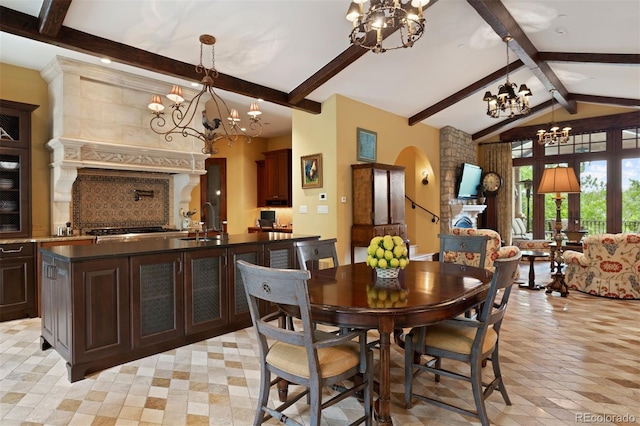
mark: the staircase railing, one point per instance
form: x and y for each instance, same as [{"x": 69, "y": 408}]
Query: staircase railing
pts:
[{"x": 434, "y": 217}]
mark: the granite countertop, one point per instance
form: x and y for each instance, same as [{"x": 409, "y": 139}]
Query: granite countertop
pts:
[
  {"x": 119, "y": 249},
  {"x": 46, "y": 239}
]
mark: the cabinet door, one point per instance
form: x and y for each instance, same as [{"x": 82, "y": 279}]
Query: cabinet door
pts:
[
  {"x": 396, "y": 196},
  {"x": 57, "y": 311},
  {"x": 101, "y": 289},
  {"x": 238, "y": 304},
  {"x": 380, "y": 197},
  {"x": 15, "y": 188},
  {"x": 205, "y": 273},
  {"x": 157, "y": 303},
  {"x": 17, "y": 284},
  {"x": 15, "y": 170},
  {"x": 47, "y": 306},
  {"x": 261, "y": 184},
  {"x": 278, "y": 177}
]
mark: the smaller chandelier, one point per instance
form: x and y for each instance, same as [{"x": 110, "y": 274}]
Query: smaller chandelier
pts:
[
  {"x": 386, "y": 16},
  {"x": 214, "y": 110},
  {"x": 553, "y": 135},
  {"x": 507, "y": 102}
]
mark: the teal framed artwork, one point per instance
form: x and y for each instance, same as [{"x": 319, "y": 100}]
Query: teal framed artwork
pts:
[{"x": 367, "y": 141}]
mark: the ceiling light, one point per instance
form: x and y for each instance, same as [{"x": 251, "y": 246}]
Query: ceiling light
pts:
[
  {"x": 383, "y": 18},
  {"x": 553, "y": 135},
  {"x": 105, "y": 60},
  {"x": 508, "y": 102},
  {"x": 216, "y": 119}
]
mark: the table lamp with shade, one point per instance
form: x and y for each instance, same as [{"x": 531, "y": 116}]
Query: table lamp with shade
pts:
[{"x": 558, "y": 180}]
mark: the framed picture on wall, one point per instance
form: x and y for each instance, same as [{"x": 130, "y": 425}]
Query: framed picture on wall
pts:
[
  {"x": 311, "y": 168},
  {"x": 366, "y": 140}
]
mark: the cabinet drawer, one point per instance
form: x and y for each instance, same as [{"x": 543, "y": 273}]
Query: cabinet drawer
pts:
[{"x": 16, "y": 250}]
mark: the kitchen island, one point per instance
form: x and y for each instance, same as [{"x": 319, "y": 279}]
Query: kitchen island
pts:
[{"x": 110, "y": 303}]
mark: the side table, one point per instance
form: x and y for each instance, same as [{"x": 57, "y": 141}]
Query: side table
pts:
[{"x": 532, "y": 256}]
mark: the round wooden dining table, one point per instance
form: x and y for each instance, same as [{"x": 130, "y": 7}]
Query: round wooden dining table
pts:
[{"x": 425, "y": 292}]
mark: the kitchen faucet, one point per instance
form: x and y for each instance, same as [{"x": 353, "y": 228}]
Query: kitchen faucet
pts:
[{"x": 210, "y": 223}]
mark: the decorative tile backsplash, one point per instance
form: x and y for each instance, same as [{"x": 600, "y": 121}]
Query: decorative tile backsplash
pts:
[{"x": 107, "y": 198}]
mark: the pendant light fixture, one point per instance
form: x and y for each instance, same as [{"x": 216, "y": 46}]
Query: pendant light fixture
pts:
[
  {"x": 553, "y": 135},
  {"x": 507, "y": 102},
  {"x": 216, "y": 119}
]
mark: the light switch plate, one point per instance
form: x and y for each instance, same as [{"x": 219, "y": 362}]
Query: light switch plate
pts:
[
  {"x": 343, "y": 200},
  {"x": 322, "y": 196},
  {"x": 323, "y": 209},
  {"x": 302, "y": 209}
]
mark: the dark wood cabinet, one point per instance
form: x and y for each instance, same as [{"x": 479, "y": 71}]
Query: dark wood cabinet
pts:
[
  {"x": 17, "y": 281},
  {"x": 85, "y": 311},
  {"x": 15, "y": 169},
  {"x": 157, "y": 298},
  {"x": 378, "y": 203},
  {"x": 109, "y": 309},
  {"x": 205, "y": 275},
  {"x": 274, "y": 179}
]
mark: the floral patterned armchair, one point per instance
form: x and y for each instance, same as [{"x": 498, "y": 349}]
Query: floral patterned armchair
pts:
[
  {"x": 494, "y": 249},
  {"x": 609, "y": 266}
]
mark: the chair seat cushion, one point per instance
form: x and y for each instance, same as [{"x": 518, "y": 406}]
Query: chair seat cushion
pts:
[
  {"x": 333, "y": 360},
  {"x": 454, "y": 339}
]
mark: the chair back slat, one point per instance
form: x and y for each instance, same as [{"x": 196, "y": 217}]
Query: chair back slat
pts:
[
  {"x": 472, "y": 246},
  {"x": 311, "y": 252},
  {"x": 495, "y": 305}
]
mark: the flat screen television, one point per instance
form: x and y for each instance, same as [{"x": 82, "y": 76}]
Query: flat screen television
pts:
[{"x": 469, "y": 181}]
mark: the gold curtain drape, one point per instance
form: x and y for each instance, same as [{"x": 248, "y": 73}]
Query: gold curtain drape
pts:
[{"x": 496, "y": 157}]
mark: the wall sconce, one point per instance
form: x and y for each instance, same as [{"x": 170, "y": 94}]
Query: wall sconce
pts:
[{"x": 425, "y": 178}]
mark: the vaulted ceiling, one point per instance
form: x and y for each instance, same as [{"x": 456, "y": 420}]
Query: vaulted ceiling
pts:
[{"x": 296, "y": 54}]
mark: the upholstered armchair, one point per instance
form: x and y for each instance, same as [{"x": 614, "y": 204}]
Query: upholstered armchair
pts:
[
  {"x": 609, "y": 266},
  {"x": 494, "y": 249}
]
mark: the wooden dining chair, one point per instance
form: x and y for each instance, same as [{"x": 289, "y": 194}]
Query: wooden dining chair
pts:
[
  {"x": 312, "y": 253},
  {"x": 470, "y": 340},
  {"x": 468, "y": 250},
  {"x": 307, "y": 357}
]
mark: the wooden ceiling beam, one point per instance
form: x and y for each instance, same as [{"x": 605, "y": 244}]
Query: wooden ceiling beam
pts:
[
  {"x": 501, "y": 21},
  {"x": 52, "y": 14},
  {"x": 340, "y": 62},
  {"x": 594, "y": 58},
  {"x": 628, "y": 102},
  {"x": 464, "y": 93},
  {"x": 27, "y": 26},
  {"x": 626, "y": 119}
]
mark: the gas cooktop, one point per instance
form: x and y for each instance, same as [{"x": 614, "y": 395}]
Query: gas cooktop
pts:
[{"x": 133, "y": 230}]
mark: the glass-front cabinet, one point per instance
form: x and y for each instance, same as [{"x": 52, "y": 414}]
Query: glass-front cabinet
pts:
[{"x": 15, "y": 169}]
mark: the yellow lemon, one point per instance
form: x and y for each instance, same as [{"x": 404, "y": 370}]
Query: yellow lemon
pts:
[
  {"x": 380, "y": 253},
  {"x": 387, "y": 243},
  {"x": 394, "y": 263},
  {"x": 375, "y": 241},
  {"x": 398, "y": 251},
  {"x": 382, "y": 263},
  {"x": 388, "y": 254},
  {"x": 398, "y": 241},
  {"x": 373, "y": 262},
  {"x": 402, "y": 263}
]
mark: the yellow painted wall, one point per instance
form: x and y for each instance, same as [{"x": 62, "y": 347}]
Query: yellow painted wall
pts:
[
  {"x": 333, "y": 133},
  {"x": 24, "y": 85}
]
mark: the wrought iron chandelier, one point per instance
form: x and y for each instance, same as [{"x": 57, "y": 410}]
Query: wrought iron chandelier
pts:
[
  {"x": 553, "y": 135},
  {"x": 218, "y": 121},
  {"x": 507, "y": 102},
  {"x": 383, "y": 18}
]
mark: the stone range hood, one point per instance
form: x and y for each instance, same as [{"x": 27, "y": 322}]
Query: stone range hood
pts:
[{"x": 101, "y": 121}]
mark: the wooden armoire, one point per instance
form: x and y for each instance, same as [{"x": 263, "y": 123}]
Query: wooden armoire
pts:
[{"x": 378, "y": 203}]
